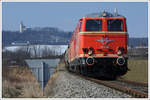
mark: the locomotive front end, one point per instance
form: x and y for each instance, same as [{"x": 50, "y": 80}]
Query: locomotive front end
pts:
[
  {"x": 98, "y": 46},
  {"x": 103, "y": 44}
]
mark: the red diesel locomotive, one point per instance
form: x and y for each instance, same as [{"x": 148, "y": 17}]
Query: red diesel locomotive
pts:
[{"x": 99, "y": 46}]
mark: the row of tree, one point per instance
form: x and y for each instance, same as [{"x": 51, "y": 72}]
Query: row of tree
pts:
[{"x": 18, "y": 57}]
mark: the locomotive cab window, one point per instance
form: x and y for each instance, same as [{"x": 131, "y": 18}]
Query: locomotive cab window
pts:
[
  {"x": 93, "y": 25},
  {"x": 115, "y": 25}
]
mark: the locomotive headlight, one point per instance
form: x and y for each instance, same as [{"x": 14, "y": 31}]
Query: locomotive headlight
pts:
[
  {"x": 90, "y": 51},
  {"x": 119, "y": 52}
]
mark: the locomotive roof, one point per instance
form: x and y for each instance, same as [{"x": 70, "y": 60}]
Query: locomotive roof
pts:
[{"x": 104, "y": 14}]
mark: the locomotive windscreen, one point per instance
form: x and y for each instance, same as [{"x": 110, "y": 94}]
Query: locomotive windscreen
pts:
[
  {"x": 115, "y": 25},
  {"x": 94, "y": 25}
]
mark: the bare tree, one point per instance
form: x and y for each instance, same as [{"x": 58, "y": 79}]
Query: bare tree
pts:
[
  {"x": 45, "y": 52},
  {"x": 26, "y": 50},
  {"x": 36, "y": 50},
  {"x": 17, "y": 57}
]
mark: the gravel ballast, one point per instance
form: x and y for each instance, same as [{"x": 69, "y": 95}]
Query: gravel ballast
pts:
[{"x": 70, "y": 86}]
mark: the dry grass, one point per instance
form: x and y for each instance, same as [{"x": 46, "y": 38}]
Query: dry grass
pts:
[
  {"x": 138, "y": 70},
  {"x": 50, "y": 85},
  {"x": 31, "y": 90},
  {"x": 52, "y": 82},
  {"x": 61, "y": 67},
  {"x": 20, "y": 82}
]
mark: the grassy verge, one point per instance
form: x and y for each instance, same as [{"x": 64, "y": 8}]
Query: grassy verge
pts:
[
  {"x": 19, "y": 82},
  {"x": 52, "y": 82},
  {"x": 48, "y": 92},
  {"x": 138, "y": 70}
]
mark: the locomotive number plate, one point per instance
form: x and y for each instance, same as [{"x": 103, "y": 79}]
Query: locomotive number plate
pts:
[{"x": 104, "y": 47}]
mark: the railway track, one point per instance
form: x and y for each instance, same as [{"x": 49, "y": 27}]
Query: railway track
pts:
[
  {"x": 136, "y": 89},
  {"x": 133, "y": 84}
]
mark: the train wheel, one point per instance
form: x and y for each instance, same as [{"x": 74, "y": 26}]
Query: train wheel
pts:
[
  {"x": 79, "y": 70},
  {"x": 75, "y": 69},
  {"x": 85, "y": 71},
  {"x": 69, "y": 68},
  {"x": 81, "y": 67},
  {"x": 121, "y": 70}
]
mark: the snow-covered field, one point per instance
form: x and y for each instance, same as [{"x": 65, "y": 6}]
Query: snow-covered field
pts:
[{"x": 60, "y": 49}]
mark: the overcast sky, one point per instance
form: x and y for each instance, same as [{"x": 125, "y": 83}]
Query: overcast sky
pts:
[{"x": 66, "y": 15}]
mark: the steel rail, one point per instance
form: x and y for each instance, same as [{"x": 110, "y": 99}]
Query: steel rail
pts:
[
  {"x": 134, "y": 93},
  {"x": 133, "y": 82},
  {"x": 130, "y": 91}
]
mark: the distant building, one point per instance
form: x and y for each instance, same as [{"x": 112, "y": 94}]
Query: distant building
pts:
[
  {"x": 20, "y": 43},
  {"x": 22, "y": 27}
]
